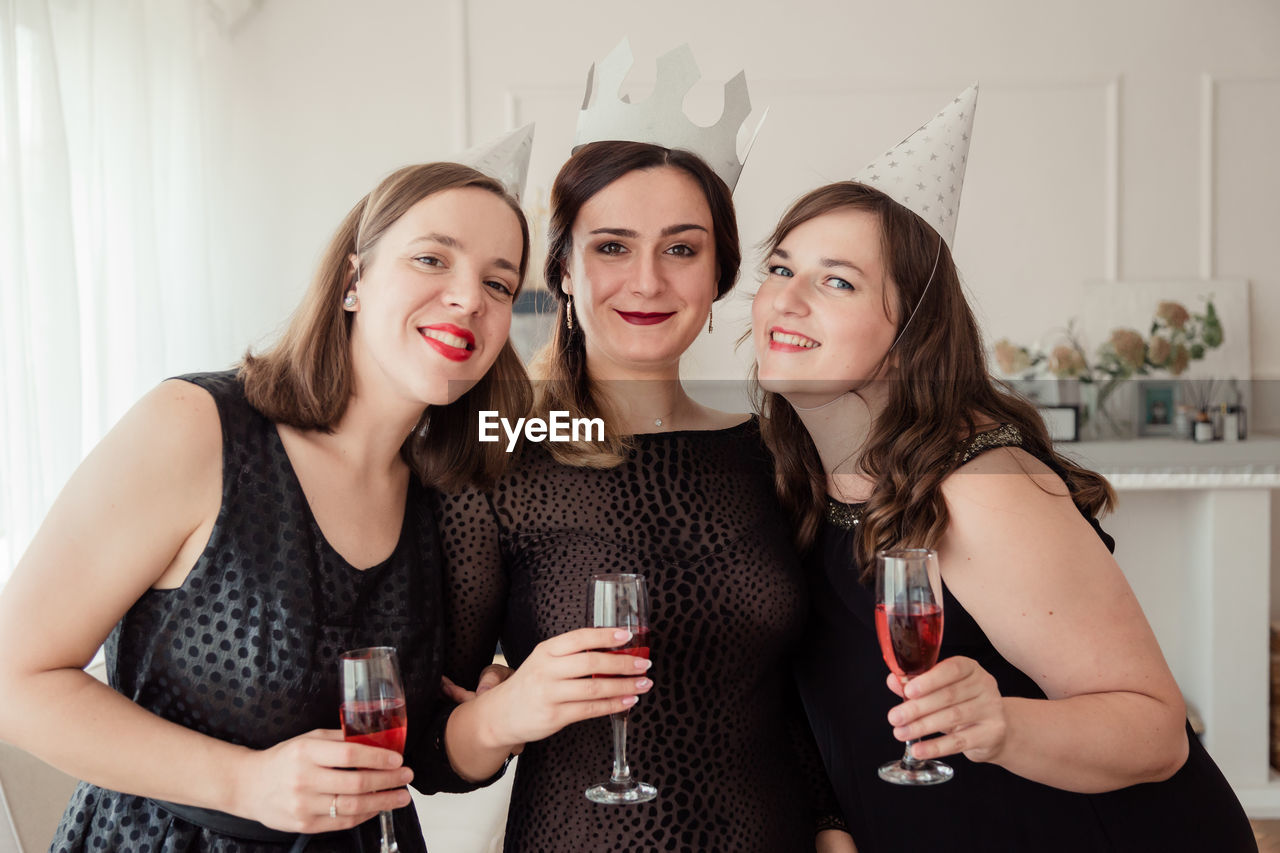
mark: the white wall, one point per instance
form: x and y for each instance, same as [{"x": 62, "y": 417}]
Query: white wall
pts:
[{"x": 1114, "y": 140}]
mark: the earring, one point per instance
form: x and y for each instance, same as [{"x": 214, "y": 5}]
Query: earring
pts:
[
  {"x": 350, "y": 301},
  {"x": 568, "y": 313},
  {"x": 710, "y": 318}
]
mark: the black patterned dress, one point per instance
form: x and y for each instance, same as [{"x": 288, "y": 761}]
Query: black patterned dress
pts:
[
  {"x": 246, "y": 649},
  {"x": 721, "y": 734}
]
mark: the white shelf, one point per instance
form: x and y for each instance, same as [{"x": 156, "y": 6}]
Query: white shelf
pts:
[{"x": 1167, "y": 463}]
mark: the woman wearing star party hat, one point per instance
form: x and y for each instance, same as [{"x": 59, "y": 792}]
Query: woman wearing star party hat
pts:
[
  {"x": 643, "y": 239},
  {"x": 1051, "y": 699},
  {"x": 237, "y": 531}
]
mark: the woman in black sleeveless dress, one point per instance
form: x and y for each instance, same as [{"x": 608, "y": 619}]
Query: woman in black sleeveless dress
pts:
[
  {"x": 236, "y": 532},
  {"x": 1051, "y": 697},
  {"x": 643, "y": 239}
]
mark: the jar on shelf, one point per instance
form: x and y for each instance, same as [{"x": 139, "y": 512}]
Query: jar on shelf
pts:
[{"x": 1203, "y": 428}]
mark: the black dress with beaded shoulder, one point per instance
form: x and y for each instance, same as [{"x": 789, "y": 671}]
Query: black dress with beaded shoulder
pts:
[
  {"x": 721, "y": 733},
  {"x": 246, "y": 649},
  {"x": 984, "y": 807}
]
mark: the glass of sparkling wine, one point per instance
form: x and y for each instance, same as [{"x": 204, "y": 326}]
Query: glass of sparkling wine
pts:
[
  {"x": 909, "y": 627},
  {"x": 621, "y": 601},
  {"x": 373, "y": 710}
]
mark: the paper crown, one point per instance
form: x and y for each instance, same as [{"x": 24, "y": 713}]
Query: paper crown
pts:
[
  {"x": 505, "y": 159},
  {"x": 925, "y": 171},
  {"x": 660, "y": 119}
]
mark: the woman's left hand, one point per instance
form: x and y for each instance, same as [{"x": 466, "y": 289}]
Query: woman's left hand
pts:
[
  {"x": 491, "y": 676},
  {"x": 958, "y": 698}
]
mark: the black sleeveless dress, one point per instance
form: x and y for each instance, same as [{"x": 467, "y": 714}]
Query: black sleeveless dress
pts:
[
  {"x": 984, "y": 807},
  {"x": 721, "y": 734},
  {"x": 246, "y": 649}
]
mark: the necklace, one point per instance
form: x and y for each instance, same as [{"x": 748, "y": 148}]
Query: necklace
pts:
[{"x": 664, "y": 420}]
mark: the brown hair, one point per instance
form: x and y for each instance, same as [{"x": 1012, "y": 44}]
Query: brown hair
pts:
[
  {"x": 562, "y": 363},
  {"x": 912, "y": 445},
  {"x": 306, "y": 379}
]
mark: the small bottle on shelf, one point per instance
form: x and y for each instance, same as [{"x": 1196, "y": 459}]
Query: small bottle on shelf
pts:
[
  {"x": 1182, "y": 422},
  {"x": 1242, "y": 421},
  {"x": 1231, "y": 424}
]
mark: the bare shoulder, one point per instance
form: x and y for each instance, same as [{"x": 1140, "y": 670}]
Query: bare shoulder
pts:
[
  {"x": 184, "y": 406},
  {"x": 175, "y": 424},
  {"x": 1007, "y": 500},
  {"x": 1005, "y": 474},
  {"x": 167, "y": 448}
]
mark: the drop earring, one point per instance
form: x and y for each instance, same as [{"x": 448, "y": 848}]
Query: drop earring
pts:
[
  {"x": 710, "y": 318},
  {"x": 568, "y": 313},
  {"x": 350, "y": 301}
]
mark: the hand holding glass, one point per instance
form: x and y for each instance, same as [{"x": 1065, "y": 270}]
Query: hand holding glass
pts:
[
  {"x": 621, "y": 601},
  {"x": 373, "y": 710},
  {"x": 909, "y": 627}
]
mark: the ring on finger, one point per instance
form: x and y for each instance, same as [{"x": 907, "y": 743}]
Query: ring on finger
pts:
[{"x": 333, "y": 806}]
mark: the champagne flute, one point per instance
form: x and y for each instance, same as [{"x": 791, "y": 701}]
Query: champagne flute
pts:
[
  {"x": 909, "y": 626},
  {"x": 373, "y": 710},
  {"x": 621, "y": 601}
]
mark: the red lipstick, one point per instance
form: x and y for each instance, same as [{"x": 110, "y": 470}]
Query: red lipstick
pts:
[
  {"x": 448, "y": 349},
  {"x": 645, "y": 318}
]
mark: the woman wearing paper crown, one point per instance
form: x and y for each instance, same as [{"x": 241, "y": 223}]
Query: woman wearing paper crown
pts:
[
  {"x": 643, "y": 239},
  {"x": 237, "y": 531},
  {"x": 1051, "y": 698}
]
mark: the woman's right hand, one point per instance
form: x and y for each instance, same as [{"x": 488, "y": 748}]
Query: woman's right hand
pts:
[
  {"x": 554, "y": 686},
  {"x": 292, "y": 785}
]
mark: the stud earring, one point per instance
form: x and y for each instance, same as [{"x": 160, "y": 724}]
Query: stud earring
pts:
[
  {"x": 568, "y": 313},
  {"x": 710, "y": 318},
  {"x": 350, "y": 301}
]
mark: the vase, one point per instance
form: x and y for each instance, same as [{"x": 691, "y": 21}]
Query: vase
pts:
[{"x": 1102, "y": 413}]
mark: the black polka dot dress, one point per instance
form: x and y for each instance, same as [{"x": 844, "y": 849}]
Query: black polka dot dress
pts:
[
  {"x": 721, "y": 733},
  {"x": 246, "y": 649}
]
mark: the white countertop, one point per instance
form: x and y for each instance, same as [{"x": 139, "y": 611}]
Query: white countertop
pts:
[{"x": 1169, "y": 463}]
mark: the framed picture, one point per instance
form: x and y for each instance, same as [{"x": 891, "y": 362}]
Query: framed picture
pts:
[
  {"x": 1063, "y": 422},
  {"x": 1156, "y": 402}
]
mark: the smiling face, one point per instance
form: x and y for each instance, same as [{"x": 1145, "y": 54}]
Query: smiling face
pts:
[
  {"x": 435, "y": 296},
  {"x": 819, "y": 321},
  {"x": 642, "y": 271}
]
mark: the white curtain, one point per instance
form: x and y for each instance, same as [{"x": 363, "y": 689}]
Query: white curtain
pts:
[{"x": 106, "y": 110}]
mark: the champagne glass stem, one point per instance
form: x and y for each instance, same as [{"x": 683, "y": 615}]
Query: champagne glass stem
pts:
[
  {"x": 907, "y": 760},
  {"x": 388, "y": 834},
  {"x": 621, "y": 772}
]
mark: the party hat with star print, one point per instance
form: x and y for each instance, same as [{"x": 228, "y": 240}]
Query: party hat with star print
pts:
[
  {"x": 505, "y": 159},
  {"x": 925, "y": 171}
]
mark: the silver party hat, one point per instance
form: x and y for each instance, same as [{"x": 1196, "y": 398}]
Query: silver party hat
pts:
[{"x": 925, "y": 172}]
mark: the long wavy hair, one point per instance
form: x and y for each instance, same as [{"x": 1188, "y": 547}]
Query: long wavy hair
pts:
[
  {"x": 561, "y": 366},
  {"x": 306, "y": 379},
  {"x": 939, "y": 391}
]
